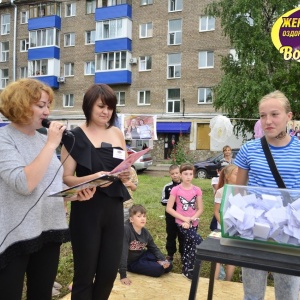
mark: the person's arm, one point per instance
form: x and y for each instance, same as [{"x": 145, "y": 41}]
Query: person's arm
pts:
[
  {"x": 200, "y": 208},
  {"x": 151, "y": 246},
  {"x": 133, "y": 180},
  {"x": 217, "y": 212},
  {"x": 70, "y": 164},
  {"x": 174, "y": 213},
  {"x": 165, "y": 195},
  {"x": 242, "y": 176},
  {"x": 217, "y": 204},
  {"x": 36, "y": 170},
  {"x": 124, "y": 257}
]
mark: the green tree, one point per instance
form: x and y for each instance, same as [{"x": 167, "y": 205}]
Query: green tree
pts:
[{"x": 259, "y": 67}]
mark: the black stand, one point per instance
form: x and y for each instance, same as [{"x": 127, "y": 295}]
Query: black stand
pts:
[{"x": 211, "y": 250}]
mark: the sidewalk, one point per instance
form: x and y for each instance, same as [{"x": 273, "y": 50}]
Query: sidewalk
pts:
[
  {"x": 159, "y": 167},
  {"x": 158, "y": 170}
]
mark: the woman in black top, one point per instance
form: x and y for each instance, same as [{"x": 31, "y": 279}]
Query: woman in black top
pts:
[{"x": 96, "y": 225}]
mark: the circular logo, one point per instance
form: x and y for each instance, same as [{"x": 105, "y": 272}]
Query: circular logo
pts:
[{"x": 286, "y": 34}]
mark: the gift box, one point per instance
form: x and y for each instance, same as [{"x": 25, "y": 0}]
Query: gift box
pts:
[{"x": 259, "y": 214}]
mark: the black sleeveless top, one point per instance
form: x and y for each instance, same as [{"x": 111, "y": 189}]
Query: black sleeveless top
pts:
[{"x": 91, "y": 160}]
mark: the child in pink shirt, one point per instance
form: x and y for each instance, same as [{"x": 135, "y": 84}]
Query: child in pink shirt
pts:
[{"x": 189, "y": 207}]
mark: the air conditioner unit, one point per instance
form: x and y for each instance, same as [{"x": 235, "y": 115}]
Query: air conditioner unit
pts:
[
  {"x": 133, "y": 60},
  {"x": 61, "y": 79}
]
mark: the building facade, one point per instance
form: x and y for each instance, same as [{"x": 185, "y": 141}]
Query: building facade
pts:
[{"x": 161, "y": 58}]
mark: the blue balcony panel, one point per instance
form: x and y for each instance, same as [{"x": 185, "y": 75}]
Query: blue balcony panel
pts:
[
  {"x": 43, "y": 53},
  {"x": 49, "y": 80},
  {"x": 113, "y": 12},
  {"x": 113, "y": 77},
  {"x": 44, "y": 22},
  {"x": 113, "y": 45}
]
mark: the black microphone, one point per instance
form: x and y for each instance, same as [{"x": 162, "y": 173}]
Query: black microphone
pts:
[{"x": 46, "y": 123}]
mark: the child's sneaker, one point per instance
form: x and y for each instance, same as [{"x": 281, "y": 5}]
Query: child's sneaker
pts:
[{"x": 188, "y": 275}]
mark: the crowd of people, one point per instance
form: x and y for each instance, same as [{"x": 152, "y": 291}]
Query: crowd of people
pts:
[{"x": 107, "y": 229}]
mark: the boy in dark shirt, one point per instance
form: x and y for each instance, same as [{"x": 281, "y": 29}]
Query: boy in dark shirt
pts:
[
  {"x": 171, "y": 227},
  {"x": 140, "y": 254}
]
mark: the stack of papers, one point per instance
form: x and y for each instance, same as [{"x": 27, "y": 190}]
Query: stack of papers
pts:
[{"x": 262, "y": 217}]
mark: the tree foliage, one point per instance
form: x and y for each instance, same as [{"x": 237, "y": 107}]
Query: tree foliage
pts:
[{"x": 260, "y": 68}]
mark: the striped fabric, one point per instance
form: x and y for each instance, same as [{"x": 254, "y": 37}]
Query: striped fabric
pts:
[{"x": 251, "y": 157}]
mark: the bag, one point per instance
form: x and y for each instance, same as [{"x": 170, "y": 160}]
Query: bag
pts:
[{"x": 213, "y": 224}]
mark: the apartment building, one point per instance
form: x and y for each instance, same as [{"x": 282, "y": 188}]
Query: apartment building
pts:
[{"x": 161, "y": 57}]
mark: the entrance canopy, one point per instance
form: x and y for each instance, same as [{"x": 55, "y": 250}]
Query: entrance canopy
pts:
[{"x": 173, "y": 127}]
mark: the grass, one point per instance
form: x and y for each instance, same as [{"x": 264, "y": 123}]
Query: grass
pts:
[{"x": 148, "y": 194}]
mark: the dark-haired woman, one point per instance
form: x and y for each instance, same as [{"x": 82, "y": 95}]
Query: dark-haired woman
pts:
[{"x": 96, "y": 227}]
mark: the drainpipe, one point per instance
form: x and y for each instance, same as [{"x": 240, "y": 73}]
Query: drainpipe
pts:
[{"x": 15, "y": 40}]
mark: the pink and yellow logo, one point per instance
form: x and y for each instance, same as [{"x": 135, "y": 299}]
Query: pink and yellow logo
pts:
[{"x": 286, "y": 34}]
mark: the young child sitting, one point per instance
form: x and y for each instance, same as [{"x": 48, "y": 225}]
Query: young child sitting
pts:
[{"x": 140, "y": 254}]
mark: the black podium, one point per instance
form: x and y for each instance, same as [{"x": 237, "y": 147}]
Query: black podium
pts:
[{"x": 211, "y": 250}]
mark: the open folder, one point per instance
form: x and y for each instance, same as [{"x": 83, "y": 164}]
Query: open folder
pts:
[{"x": 103, "y": 179}]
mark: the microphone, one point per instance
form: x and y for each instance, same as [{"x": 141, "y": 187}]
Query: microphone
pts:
[{"x": 46, "y": 123}]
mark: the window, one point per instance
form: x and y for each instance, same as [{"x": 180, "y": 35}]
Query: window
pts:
[
  {"x": 146, "y": 2},
  {"x": 111, "y": 61},
  {"x": 90, "y": 37},
  {"x": 144, "y": 97},
  {"x": 175, "y": 5},
  {"x": 38, "y": 67},
  {"x": 5, "y": 24},
  {"x": 69, "y": 39},
  {"x": 204, "y": 96},
  {"x": 111, "y": 29},
  {"x": 44, "y": 37},
  {"x": 4, "y": 78},
  {"x": 115, "y": 2},
  {"x": 90, "y": 6},
  {"x": 68, "y": 100},
  {"x": 206, "y": 59},
  {"x": 105, "y": 3},
  {"x": 69, "y": 69},
  {"x": 146, "y": 30},
  {"x": 4, "y": 48},
  {"x": 24, "y": 45},
  {"x": 173, "y": 100},
  {"x": 207, "y": 23},
  {"x": 175, "y": 32},
  {"x": 145, "y": 63},
  {"x": 120, "y": 98},
  {"x": 89, "y": 68},
  {"x": 24, "y": 17},
  {"x": 70, "y": 9},
  {"x": 23, "y": 72},
  {"x": 44, "y": 9},
  {"x": 174, "y": 65}
]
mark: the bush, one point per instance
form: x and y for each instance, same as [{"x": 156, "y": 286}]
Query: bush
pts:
[{"x": 181, "y": 154}]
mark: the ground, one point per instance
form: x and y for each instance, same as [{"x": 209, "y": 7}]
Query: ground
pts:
[{"x": 175, "y": 287}]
